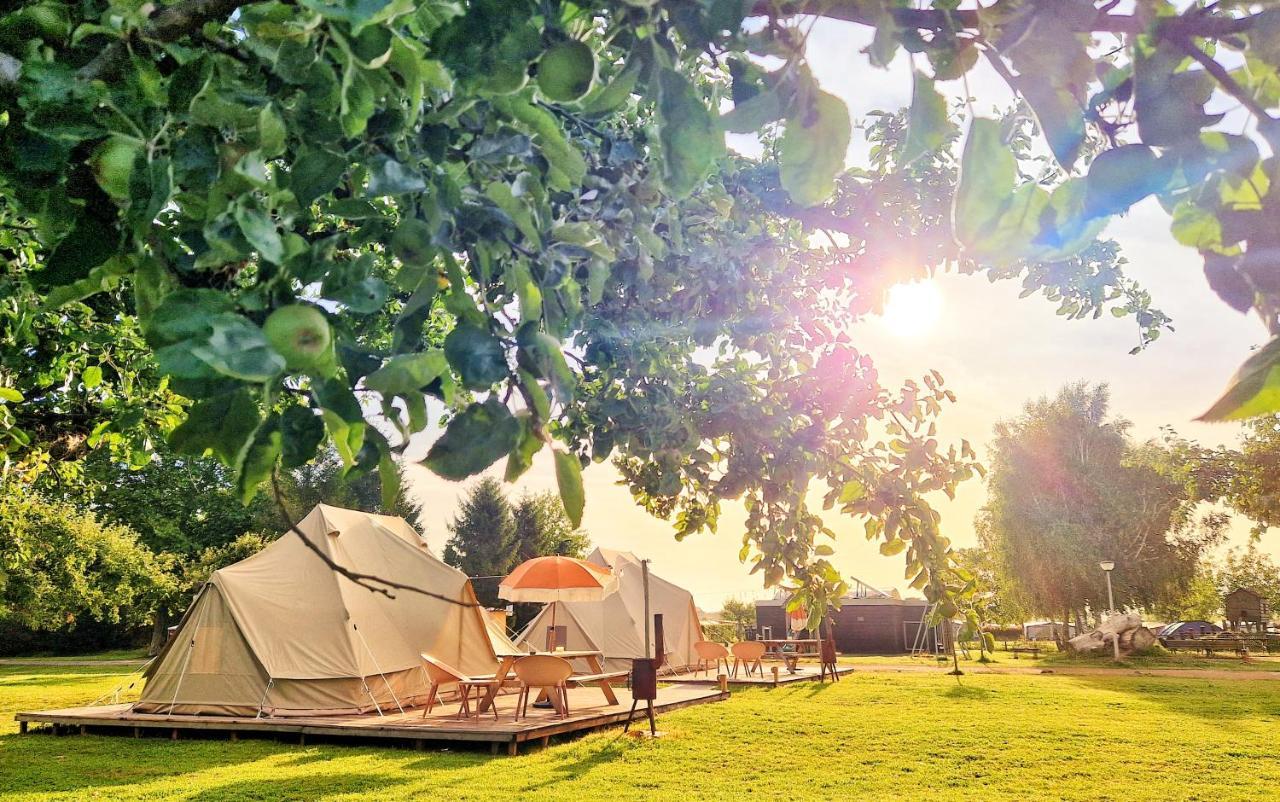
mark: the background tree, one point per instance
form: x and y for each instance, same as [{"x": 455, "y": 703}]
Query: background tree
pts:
[
  {"x": 60, "y": 565},
  {"x": 1250, "y": 568},
  {"x": 482, "y": 538},
  {"x": 325, "y": 481},
  {"x": 1200, "y": 601},
  {"x": 543, "y": 529},
  {"x": 179, "y": 507},
  {"x": 1067, "y": 489},
  {"x": 1252, "y": 486},
  {"x": 997, "y": 599},
  {"x": 741, "y": 614}
]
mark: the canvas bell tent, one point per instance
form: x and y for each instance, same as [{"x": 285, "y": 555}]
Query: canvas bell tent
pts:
[
  {"x": 281, "y": 633},
  {"x": 614, "y": 625}
]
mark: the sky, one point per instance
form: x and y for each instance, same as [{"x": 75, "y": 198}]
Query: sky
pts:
[{"x": 995, "y": 351}]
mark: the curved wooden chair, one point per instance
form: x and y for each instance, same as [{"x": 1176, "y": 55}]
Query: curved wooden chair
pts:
[
  {"x": 546, "y": 672},
  {"x": 441, "y": 673},
  {"x": 748, "y": 653},
  {"x": 711, "y": 655}
]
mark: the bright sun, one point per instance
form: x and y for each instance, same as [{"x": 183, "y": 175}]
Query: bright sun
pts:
[{"x": 912, "y": 310}]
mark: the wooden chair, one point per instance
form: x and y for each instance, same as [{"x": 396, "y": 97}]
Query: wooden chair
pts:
[
  {"x": 545, "y": 672},
  {"x": 439, "y": 673},
  {"x": 748, "y": 653},
  {"x": 711, "y": 655}
]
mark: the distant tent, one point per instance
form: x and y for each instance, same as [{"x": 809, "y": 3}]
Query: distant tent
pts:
[
  {"x": 615, "y": 625},
  {"x": 281, "y": 633}
]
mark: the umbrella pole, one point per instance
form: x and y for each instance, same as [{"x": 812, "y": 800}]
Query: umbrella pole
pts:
[
  {"x": 644, "y": 572},
  {"x": 551, "y": 630}
]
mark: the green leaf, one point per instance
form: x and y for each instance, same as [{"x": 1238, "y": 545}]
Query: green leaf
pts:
[
  {"x": 343, "y": 418},
  {"x": 927, "y": 125},
  {"x": 568, "y": 168},
  {"x": 90, "y": 243},
  {"x": 606, "y": 98},
  {"x": 223, "y": 425},
  {"x": 528, "y": 293},
  {"x": 477, "y": 355},
  {"x": 569, "y": 480},
  {"x": 360, "y": 14},
  {"x": 517, "y": 209},
  {"x": 852, "y": 491},
  {"x": 690, "y": 135},
  {"x": 537, "y": 397},
  {"x": 8, "y": 395},
  {"x": 186, "y": 314},
  {"x": 388, "y": 473},
  {"x": 540, "y": 354},
  {"x": 754, "y": 113},
  {"x": 1254, "y": 390},
  {"x": 812, "y": 150},
  {"x": 315, "y": 173},
  {"x": 389, "y": 177},
  {"x": 271, "y": 132},
  {"x": 260, "y": 460},
  {"x": 475, "y": 439},
  {"x": 103, "y": 278},
  {"x": 407, "y": 373},
  {"x": 91, "y": 377},
  {"x": 238, "y": 349},
  {"x": 261, "y": 233},
  {"x": 303, "y": 432},
  {"x": 527, "y": 444}
]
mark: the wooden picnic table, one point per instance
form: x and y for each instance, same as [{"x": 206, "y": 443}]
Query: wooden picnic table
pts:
[
  {"x": 776, "y": 647},
  {"x": 591, "y": 658}
]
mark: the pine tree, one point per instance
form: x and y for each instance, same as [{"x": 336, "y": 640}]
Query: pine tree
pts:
[
  {"x": 482, "y": 538},
  {"x": 543, "y": 529}
]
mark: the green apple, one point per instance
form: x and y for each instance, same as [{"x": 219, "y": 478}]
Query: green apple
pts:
[
  {"x": 112, "y": 163},
  {"x": 565, "y": 71},
  {"x": 300, "y": 333}
]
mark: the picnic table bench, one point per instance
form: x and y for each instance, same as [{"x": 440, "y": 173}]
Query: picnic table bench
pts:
[
  {"x": 1034, "y": 651},
  {"x": 1208, "y": 645}
]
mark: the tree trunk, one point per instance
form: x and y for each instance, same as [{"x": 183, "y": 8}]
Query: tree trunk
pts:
[{"x": 159, "y": 633}]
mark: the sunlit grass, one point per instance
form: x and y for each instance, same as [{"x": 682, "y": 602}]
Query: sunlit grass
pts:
[{"x": 871, "y": 736}]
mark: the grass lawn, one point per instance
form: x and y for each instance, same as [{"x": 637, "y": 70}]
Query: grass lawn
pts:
[
  {"x": 112, "y": 654},
  {"x": 872, "y": 736}
]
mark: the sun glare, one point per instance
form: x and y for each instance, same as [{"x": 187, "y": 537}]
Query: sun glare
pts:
[{"x": 912, "y": 310}]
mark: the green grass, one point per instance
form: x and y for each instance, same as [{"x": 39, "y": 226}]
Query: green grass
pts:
[
  {"x": 111, "y": 654},
  {"x": 872, "y": 736}
]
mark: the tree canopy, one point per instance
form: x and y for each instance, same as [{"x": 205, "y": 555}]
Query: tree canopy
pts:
[
  {"x": 58, "y": 562},
  {"x": 1069, "y": 489},
  {"x": 258, "y": 226}
]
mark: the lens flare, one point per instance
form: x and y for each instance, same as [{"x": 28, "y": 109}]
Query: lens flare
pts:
[{"x": 912, "y": 310}]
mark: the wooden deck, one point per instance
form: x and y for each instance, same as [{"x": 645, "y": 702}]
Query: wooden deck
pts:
[
  {"x": 588, "y": 711},
  {"x": 804, "y": 673}
]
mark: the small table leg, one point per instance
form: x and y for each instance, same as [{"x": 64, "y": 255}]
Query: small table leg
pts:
[{"x": 499, "y": 678}]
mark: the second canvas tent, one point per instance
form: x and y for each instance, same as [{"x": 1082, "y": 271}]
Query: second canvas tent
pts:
[{"x": 614, "y": 626}]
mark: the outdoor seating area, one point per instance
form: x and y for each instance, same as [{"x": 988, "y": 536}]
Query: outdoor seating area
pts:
[{"x": 504, "y": 731}]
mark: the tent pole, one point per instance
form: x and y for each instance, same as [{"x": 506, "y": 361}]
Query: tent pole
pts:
[
  {"x": 263, "y": 701},
  {"x": 372, "y": 698},
  {"x": 377, "y": 668}
]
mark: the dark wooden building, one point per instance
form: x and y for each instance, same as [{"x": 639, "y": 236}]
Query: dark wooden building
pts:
[
  {"x": 868, "y": 622},
  {"x": 1246, "y": 611}
]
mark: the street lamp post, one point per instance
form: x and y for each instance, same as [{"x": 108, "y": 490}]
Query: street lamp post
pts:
[{"x": 1107, "y": 567}]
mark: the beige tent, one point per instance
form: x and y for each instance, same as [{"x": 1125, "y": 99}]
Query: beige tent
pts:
[
  {"x": 615, "y": 625},
  {"x": 281, "y": 633}
]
